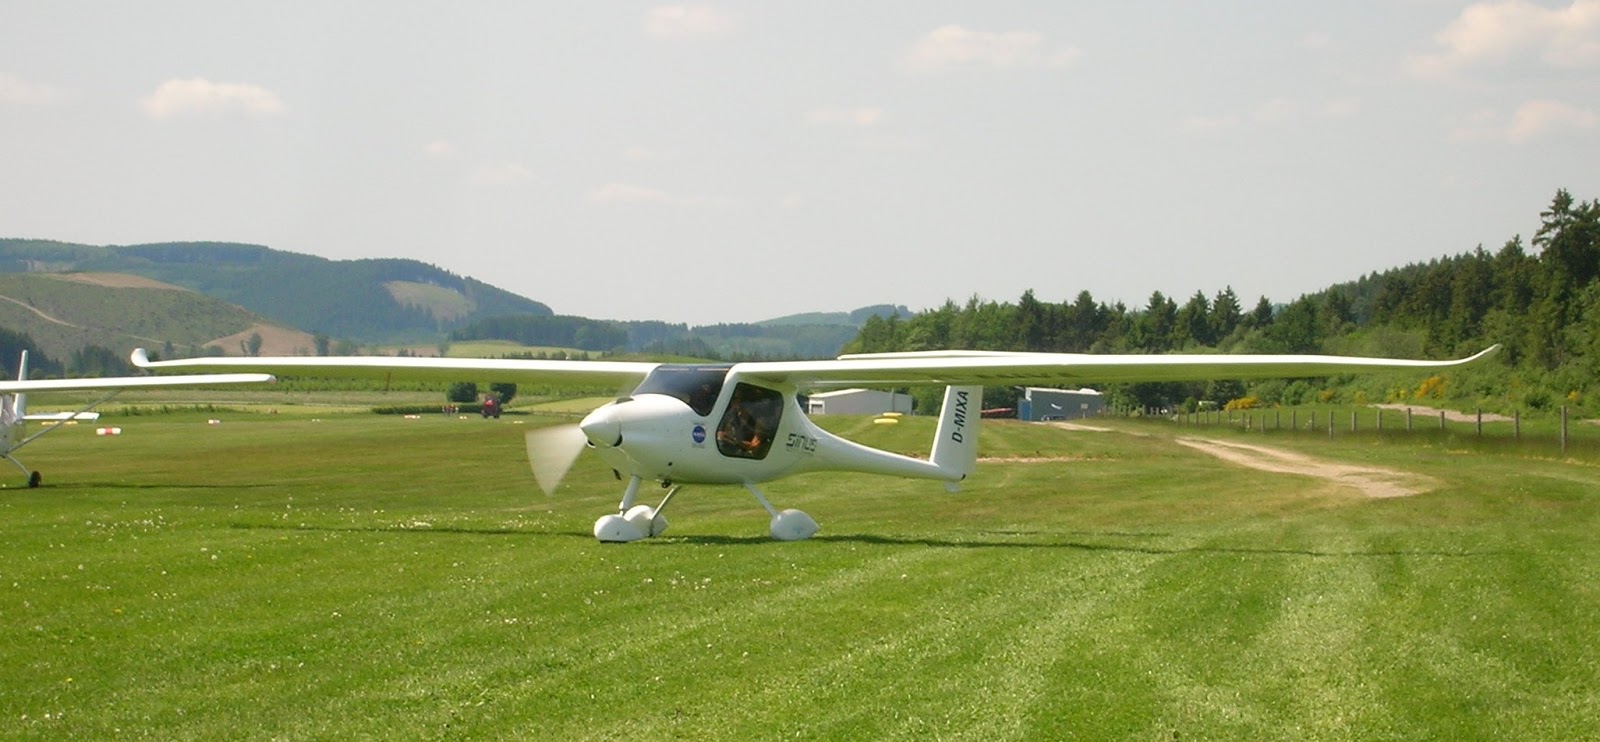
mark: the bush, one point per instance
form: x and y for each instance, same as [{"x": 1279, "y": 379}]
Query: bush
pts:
[
  {"x": 463, "y": 392},
  {"x": 1243, "y": 403}
]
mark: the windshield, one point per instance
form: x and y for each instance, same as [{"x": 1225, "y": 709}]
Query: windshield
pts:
[{"x": 696, "y": 386}]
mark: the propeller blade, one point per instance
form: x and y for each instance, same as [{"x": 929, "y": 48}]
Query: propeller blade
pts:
[{"x": 551, "y": 452}]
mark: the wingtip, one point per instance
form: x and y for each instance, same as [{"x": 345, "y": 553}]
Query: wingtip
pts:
[{"x": 140, "y": 358}]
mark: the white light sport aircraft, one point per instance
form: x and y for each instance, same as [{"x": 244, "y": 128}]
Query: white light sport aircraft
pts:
[
  {"x": 742, "y": 424},
  {"x": 14, "y": 402}
]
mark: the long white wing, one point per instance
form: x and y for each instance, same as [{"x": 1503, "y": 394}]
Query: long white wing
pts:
[
  {"x": 611, "y": 374},
  {"x": 889, "y": 369},
  {"x": 1019, "y": 369},
  {"x": 132, "y": 382}
]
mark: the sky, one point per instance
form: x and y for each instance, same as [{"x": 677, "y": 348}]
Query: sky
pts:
[{"x": 733, "y": 162}]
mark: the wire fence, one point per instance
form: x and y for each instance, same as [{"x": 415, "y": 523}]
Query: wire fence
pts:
[{"x": 1556, "y": 430}]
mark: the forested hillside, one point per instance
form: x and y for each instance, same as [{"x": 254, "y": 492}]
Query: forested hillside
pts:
[
  {"x": 818, "y": 335},
  {"x": 90, "y": 321},
  {"x": 364, "y": 300},
  {"x": 1542, "y": 304}
]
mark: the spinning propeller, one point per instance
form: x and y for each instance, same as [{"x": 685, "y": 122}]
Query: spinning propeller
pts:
[{"x": 552, "y": 451}]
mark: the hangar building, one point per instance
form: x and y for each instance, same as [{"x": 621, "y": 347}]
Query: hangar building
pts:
[
  {"x": 1038, "y": 403},
  {"x": 858, "y": 402}
]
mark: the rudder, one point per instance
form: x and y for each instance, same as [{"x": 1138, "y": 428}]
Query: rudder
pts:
[{"x": 955, "y": 442}]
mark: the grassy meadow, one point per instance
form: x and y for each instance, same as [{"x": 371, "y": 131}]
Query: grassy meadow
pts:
[{"x": 349, "y": 575}]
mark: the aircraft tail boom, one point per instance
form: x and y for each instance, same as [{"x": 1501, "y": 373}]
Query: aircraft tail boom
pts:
[{"x": 955, "y": 442}]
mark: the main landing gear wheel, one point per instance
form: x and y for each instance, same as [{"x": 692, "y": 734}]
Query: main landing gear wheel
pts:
[
  {"x": 789, "y": 525},
  {"x": 793, "y": 525},
  {"x": 34, "y": 478}
]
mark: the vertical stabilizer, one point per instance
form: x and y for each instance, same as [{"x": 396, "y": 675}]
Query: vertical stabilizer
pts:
[
  {"x": 19, "y": 403},
  {"x": 955, "y": 443}
]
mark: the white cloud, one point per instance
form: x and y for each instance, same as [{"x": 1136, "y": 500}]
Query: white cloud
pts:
[
  {"x": 686, "y": 22},
  {"x": 1507, "y": 31},
  {"x": 646, "y": 154},
  {"x": 1209, "y": 124},
  {"x": 16, "y": 91},
  {"x": 953, "y": 47},
  {"x": 898, "y": 142},
  {"x": 1274, "y": 112},
  {"x": 1478, "y": 126},
  {"x": 837, "y": 115},
  {"x": 502, "y": 174},
  {"x": 200, "y": 96},
  {"x": 627, "y": 193},
  {"x": 1533, "y": 119},
  {"x": 1537, "y": 118},
  {"x": 1317, "y": 41},
  {"x": 1341, "y": 107},
  {"x": 615, "y": 194},
  {"x": 439, "y": 149}
]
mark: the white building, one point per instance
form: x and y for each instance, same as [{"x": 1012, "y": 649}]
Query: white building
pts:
[
  {"x": 1038, "y": 403},
  {"x": 858, "y": 402}
]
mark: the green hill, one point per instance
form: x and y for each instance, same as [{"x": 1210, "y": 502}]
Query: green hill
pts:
[
  {"x": 365, "y": 300},
  {"x": 856, "y": 318},
  {"x": 65, "y": 313},
  {"x": 814, "y": 335}
]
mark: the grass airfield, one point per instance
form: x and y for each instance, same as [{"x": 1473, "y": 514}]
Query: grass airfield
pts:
[{"x": 370, "y": 576}]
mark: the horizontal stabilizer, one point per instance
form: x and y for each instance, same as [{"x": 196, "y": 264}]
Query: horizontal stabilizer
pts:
[
  {"x": 133, "y": 382},
  {"x": 62, "y": 416}
]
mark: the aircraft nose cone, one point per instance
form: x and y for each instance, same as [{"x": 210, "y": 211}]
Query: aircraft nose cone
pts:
[{"x": 602, "y": 428}]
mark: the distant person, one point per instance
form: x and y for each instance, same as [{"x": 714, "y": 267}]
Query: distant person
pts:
[{"x": 491, "y": 407}]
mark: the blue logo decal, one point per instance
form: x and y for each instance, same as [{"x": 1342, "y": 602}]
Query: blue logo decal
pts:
[{"x": 699, "y": 434}]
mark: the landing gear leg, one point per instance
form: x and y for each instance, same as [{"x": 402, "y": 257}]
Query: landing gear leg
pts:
[
  {"x": 33, "y": 476},
  {"x": 786, "y": 525},
  {"x": 632, "y": 522}
]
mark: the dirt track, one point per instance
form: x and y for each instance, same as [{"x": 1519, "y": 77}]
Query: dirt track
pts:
[
  {"x": 1450, "y": 415},
  {"x": 1369, "y": 480}
]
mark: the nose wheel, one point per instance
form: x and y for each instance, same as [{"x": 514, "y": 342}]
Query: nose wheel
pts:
[{"x": 633, "y": 522}]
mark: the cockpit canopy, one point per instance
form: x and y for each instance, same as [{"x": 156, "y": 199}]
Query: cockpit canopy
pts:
[{"x": 694, "y": 385}]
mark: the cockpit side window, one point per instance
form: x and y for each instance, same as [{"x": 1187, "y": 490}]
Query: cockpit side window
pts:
[
  {"x": 696, "y": 386},
  {"x": 750, "y": 422}
]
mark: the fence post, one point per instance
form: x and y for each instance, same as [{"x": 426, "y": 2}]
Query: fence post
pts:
[
  {"x": 1408, "y": 419},
  {"x": 1441, "y": 419},
  {"x": 1330, "y": 423},
  {"x": 1353, "y": 414},
  {"x": 1480, "y": 422},
  {"x": 1294, "y": 419},
  {"x": 1277, "y": 419},
  {"x": 1516, "y": 424},
  {"x": 1380, "y": 419},
  {"x": 1563, "y": 430}
]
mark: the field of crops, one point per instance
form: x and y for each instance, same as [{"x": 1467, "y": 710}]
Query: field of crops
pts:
[{"x": 338, "y": 574}]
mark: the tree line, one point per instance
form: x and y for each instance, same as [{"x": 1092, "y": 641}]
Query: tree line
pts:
[{"x": 1542, "y": 304}]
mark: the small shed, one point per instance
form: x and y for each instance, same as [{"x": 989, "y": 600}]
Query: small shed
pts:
[
  {"x": 1040, "y": 404},
  {"x": 857, "y": 402}
]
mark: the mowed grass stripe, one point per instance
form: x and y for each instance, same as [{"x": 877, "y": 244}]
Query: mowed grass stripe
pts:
[
  {"x": 964, "y": 640},
  {"x": 379, "y": 577}
]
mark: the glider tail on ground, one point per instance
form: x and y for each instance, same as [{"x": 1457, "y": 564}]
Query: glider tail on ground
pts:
[{"x": 955, "y": 442}]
